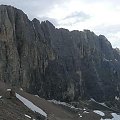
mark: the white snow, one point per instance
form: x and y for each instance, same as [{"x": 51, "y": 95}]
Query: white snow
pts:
[
  {"x": 103, "y": 104},
  {"x": 104, "y": 59},
  {"x": 58, "y": 102},
  {"x": 99, "y": 112},
  {"x": 117, "y": 98},
  {"x": 115, "y": 117},
  {"x": 27, "y": 116},
  {"x": 0, "y": 96},
  {"x": 84, "y": 109},
  {"x": 80, "y": 115},
  {"x": 8, "y": 90},
  {"x": 85, "y": 112},
  {"x": 21, "y": 89},
  {"x": 36, "y": 95},
  {"x": 63, "y": 103},
  {"x": 91, "y": 99},
  {"x": 30, "y": 105}
]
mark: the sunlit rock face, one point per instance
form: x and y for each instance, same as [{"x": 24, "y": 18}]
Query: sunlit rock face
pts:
[{"x": 56, "y": 63}]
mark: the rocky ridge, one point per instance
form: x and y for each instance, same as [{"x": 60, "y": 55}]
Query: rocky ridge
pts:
[{"x": 46, "y": 61}]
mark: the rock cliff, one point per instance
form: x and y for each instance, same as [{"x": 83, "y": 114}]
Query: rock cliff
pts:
[{"x": 56, "y": 63}]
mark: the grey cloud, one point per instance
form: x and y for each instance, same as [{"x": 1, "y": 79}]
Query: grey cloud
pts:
[
  {"x": 75, "y": 17},
  {"x": 69, "y": 23},
  {"x": 33, "y": 7},
  {"x": 81, "y": 16}
]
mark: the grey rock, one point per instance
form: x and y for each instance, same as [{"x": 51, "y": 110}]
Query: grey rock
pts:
[{"x": 56, "y": 63}]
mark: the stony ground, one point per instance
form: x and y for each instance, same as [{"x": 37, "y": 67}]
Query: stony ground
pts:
[
  {"x": 57, "y": 112},
  {"x": 13, "y": 109}
]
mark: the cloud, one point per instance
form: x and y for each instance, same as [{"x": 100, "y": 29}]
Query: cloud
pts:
[
  {"x": 33, "y": 8},
  {"x": 74, "y": 18},
  {"x": 78, "y": 15},
  {"x": 102, "y": 17}
]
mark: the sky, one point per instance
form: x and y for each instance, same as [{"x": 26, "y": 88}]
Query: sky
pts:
[{"x": 99, "y": 16}]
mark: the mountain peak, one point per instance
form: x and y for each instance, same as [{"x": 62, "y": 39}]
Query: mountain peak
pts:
[{"x": 56, "y": 63}]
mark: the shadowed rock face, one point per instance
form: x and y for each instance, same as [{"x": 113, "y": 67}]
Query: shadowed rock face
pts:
[{"x": 56, "y": 63}]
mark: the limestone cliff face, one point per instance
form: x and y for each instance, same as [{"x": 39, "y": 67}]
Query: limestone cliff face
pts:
[{"x": 56, "y": 63}]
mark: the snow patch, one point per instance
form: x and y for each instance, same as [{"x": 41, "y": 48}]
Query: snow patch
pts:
[
  {"x": 103, "y": 104},
  {"x": 8, "y": 90},
  {"x": 104, "y": 59},
  {"x": 91, "y": 99},
  {"x": 21, "y": 89},
  {"x": 117, "y": 98},
  {"x": 116, "y": 60},
  {"x": 85, "y": 112},
  {"x": 80, "y": 115},
  {"x": 36, "y": 96},
  {"x": 63, "y": 103},
  {"x": 115, "y": 117},
  {"x": 0, "y": 96},
  {"x": 99, "y": 112},
  {"x": 84, "y": 109},
  {"x": 27, "y": 116},
  {"x": 58, "y": 102},
  {"x": 30, "y": 105}
]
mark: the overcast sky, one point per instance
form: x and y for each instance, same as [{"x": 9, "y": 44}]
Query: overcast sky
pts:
[{"x": 100, "y": 16}]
